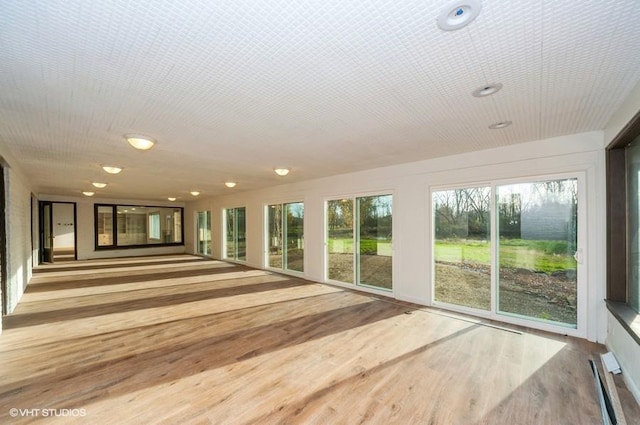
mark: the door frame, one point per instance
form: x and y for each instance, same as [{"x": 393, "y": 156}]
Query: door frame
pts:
[{"x": 41, "y": 219}]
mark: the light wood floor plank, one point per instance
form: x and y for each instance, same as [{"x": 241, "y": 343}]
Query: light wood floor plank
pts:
[{"x": 181, "y": 340}]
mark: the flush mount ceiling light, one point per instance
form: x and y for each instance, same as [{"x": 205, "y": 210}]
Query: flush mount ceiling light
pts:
[
  {"x": 458, "y": 14},
  {"x": 88, "y": 193},
  {"x": 230, "y": 184},
  {"x": 281, "y": 171},
  {"x": 171, "y": 198},
  {"x": 499, "y": 125},
  {"x": 142, "y": 143},
  {"x": 99, "y": 185},
  {"x": 487, "y": 90},
  {"x": 194, "y": 193},
  {"x": 111, "y": 169}
]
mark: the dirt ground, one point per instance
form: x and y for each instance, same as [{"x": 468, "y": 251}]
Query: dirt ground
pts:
[{"x": 524, "y": 292}]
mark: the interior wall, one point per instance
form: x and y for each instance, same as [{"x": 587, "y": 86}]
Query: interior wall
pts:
[
  {"x": 86, "y": 222},
  {"x": 63, "y": 226},
  {"x": 410, "y": 185},
  {"x": 627, "y": 352},
  {"x": 18, "y": 226}
]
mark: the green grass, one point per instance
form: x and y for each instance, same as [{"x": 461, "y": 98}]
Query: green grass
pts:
[
  {"x": 542, "y": 256},
  {"x": 367, "y": 246}
]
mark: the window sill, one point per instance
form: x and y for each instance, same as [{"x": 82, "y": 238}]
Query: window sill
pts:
[{"x": 628, "y": 318}]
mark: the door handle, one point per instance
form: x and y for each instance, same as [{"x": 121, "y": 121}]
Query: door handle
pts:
[{"x": 578, "y": 256}]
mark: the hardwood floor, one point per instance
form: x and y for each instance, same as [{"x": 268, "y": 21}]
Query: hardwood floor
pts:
[{"x": 182, "y": 340}]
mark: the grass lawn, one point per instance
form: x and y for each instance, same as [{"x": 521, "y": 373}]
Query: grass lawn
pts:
[{"x": 541, "y": 256}]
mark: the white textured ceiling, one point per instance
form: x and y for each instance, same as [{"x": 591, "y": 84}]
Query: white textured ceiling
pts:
[{"x": 231, "y": 89}]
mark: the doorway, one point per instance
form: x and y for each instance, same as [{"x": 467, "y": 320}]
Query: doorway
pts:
[{"x": 58, "y": 237}]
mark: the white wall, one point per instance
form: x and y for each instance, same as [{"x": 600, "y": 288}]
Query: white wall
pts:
[
  {"x": 18, "y": 199},
  {"x": 63, "y": 226},
  {"x": 18, "y": 228},
  {"x": 410, "y": 185},
  {"x": 86, "y": 221},
  {"x": 627, "y": 352}
]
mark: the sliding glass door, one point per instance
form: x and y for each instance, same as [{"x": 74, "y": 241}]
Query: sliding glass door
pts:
[
  {"x": 509, "y": 249},
  {"x": 537, "y": 250},
  {"x": 285, "y": 239},
  {"x": 359, "y": 241},
  {"x": 462, "y": 247},
  {"x": 235, "y": 234},
  {"x": 203, "y": 233},
  {"x": 340, "y": 238}
]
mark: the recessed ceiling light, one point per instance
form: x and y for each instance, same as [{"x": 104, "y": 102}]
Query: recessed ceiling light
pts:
[
  {"x": 499, "y": 125},
  {"x": 111, "y": 169},
  {"x": 487, "y": 90},
  {"x": 142, "y": 143},
  {"x": 458, "y": 14},
  {"x": 99, "y": 185},
  {"x": 230, "y": 184},
  {"x": 194, "y": 193},
  {"x": 171, "y": 198},
  {"x": 282, "y": 171},
  {"x": 88, "y": 193}
]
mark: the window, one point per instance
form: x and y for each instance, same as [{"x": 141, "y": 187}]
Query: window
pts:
[
  {"x": 285, "y": 240},
  {"x": 136, "y": 226},
  {"x": 633, "y": 223},
  {"x": 359, "y": 241},
  {"x": 154, "y": 226},
  {"x": 203, "y": 233},
  {"x": 462, "y": 247},
  {"x": 524, "y": 268},
  {"x": 235, "y": 234},
  {"x": 623, "y": 222}
]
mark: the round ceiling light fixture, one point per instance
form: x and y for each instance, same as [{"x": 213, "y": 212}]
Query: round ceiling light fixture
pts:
[
  {"x": 281, "y": 171},
  {"x": 111, "y": 169},
  {"x": 499, "y": 125},
  {"x": 194, "y": 193},
  {"x": 88, "y": 193},
  {"x": 99, "y": 185},
  {"x": 487, "y": 90},
  {"x": 458, "y": 14},
  {"x": 171, "y": 198},
  {"x": 139, "y": 142},
  {"x": 230, "y": 184}
]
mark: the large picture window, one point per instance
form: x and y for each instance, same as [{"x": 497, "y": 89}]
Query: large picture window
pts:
[
  {"x": 285, "y": 240},
  {"x": 136, "y": 226},
  {"x": 633, "y": 223},
  {"x": 623, "y": 227}
]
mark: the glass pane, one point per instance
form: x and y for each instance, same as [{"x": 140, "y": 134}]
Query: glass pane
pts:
[
  {"x": 462, "y": 247},
  {"x": 340, "y": 240},
  {"x": 138, "y": 225},
  {"x": 374, "y": 241},
  {"x": 203, "y": 233},
  {"x": 241, "y": 231},
  {"x": 105, "y": 226},
  {"x": 154, "y": 226},
  {"x": 230, "y": 226},
  {"x": 537, "y": 225},
  {"x": 132, "y": 226},
  {"x": 295, "y": 239},
  {"x": 176, "y": 235},
  {"x": 633, "y": 201},
  {"x": 274, "y": 255}
]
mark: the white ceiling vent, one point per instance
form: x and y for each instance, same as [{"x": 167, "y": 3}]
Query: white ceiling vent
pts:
[{"x": 458, "y": 13}]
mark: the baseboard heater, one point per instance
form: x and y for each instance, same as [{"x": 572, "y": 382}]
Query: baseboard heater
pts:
[{"x": 611, "y": 410}]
